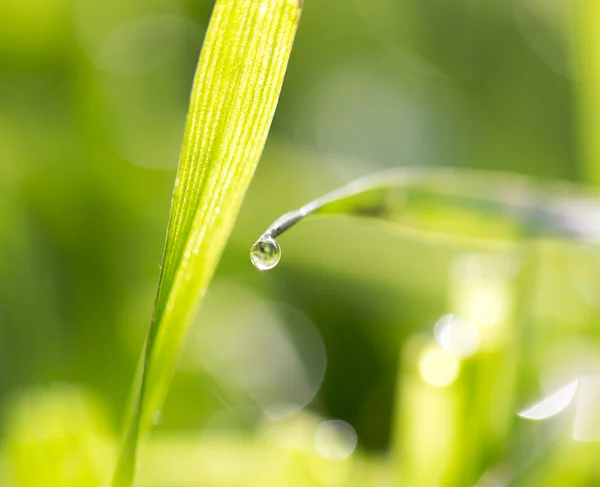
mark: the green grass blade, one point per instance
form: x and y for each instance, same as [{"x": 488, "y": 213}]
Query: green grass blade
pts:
[
  {"x": 474, "y": 205},
  {"x": 233, "y": 100},
  {"x": 586, "y": 31}
]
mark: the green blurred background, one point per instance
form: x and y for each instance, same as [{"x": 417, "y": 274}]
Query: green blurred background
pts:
[{"x": 93, "y": 98}]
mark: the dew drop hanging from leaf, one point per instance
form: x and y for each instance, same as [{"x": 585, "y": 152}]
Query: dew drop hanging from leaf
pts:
[{"x": 265, "y": 253}]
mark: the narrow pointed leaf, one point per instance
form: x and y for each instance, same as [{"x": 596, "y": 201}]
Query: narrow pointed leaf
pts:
[
  {"x": 468, "y": 205},
  {"x": 233, "y": 100}
]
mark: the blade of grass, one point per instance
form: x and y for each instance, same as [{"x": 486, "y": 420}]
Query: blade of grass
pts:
[
  {"x": 479, "y": 206},
  {"x": 586, "y": 32},
  {"x": 233, "y": 100}
]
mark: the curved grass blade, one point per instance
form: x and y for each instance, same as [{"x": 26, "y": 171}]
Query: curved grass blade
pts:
[
  {"x": 233, "y": 100},
  {"x": 472, "y": 205}
]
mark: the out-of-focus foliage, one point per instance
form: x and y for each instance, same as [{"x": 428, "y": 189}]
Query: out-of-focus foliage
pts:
[
  {"x": 93, "y": 96},
  {"x": 58, "y": 436}
]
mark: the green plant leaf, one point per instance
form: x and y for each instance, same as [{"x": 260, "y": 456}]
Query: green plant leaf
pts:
[
  {"x": 481, "y": 207},
  {"x": 586, "y": 32},
  {"x": 233, "y": 100}
]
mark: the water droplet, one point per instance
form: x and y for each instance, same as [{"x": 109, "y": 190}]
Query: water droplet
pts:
[{"x": 265, "y": 254}]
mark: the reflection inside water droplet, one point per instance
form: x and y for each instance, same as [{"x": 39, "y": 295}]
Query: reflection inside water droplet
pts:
[{"x": 265, "y": 254}]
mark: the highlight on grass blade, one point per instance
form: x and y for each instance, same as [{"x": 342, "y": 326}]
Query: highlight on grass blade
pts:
[
  {"x": 553, "y": 404},
  {"x": 484, "y": 206},
  {"x": 233, "y": 100}
]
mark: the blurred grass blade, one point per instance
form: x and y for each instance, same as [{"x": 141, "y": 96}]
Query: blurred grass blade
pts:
[
  {"x": 479, "y": 206},
  {"x": 586, "y": 29},
  {"x": 233, "y": 100}
]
